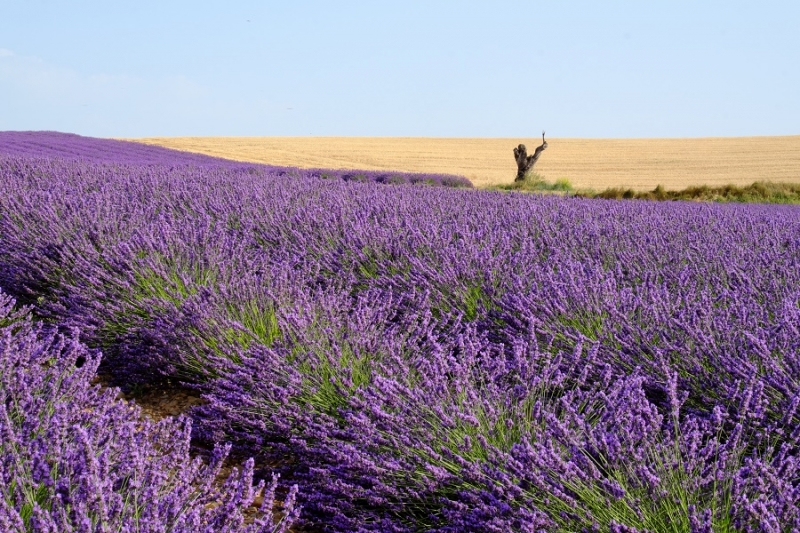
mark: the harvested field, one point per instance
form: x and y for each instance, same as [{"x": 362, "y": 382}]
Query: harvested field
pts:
[{"x": 640, "y": 164}]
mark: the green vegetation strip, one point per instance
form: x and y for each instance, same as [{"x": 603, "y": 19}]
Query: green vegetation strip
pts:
[{"x": 758, "y": 192}]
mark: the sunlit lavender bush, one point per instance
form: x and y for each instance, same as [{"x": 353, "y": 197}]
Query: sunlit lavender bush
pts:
[
  {"x": 428, "y": 359},
  {"x": 74, "y": 458}
]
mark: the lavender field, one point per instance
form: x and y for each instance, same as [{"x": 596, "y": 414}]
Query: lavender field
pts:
[{"x": 411, "y": 357}]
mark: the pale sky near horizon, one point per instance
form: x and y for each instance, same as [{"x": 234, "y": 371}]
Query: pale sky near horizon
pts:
[{"x": 401, "y": 68}]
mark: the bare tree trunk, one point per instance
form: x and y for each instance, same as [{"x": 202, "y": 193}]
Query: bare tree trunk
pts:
[{"x": 525, "y": 162}]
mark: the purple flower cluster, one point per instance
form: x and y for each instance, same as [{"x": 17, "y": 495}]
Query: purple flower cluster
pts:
[
  {"x": 74, "y": 458},
  {"x": 429, "y": 359}
]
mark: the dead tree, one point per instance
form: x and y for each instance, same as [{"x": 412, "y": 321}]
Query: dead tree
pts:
[{"x": 525, "y": 162}]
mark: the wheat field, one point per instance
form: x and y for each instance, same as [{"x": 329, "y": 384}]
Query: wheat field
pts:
[{"x": 640, "y": 164}]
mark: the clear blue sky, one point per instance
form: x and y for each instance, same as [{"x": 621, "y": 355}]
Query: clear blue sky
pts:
[{"x": 401, "y": 68}]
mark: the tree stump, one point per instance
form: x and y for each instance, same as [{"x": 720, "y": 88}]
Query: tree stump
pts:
[{"x": 525, "y": 162}]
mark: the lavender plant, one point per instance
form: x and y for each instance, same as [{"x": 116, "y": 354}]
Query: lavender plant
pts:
[{"x": 74, "y": 458}]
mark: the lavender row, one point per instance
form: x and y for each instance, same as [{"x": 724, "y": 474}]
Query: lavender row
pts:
[
  {"x": 74, "y": 458},
  {"x": 42, "y": 144},
  {"x": 45, "y": 144},
  {"x": 703, "y": 289},
  {"x": 438, "y": 359}
]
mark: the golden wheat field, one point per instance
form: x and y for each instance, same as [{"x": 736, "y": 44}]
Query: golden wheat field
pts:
[{"x": 639, "y": 164}]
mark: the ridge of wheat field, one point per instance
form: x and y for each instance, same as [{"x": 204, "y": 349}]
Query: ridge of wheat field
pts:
[{"x": 639, "y": 164}]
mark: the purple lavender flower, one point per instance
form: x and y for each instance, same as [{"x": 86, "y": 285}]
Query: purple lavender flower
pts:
[{"x": 74, "y": 458}]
